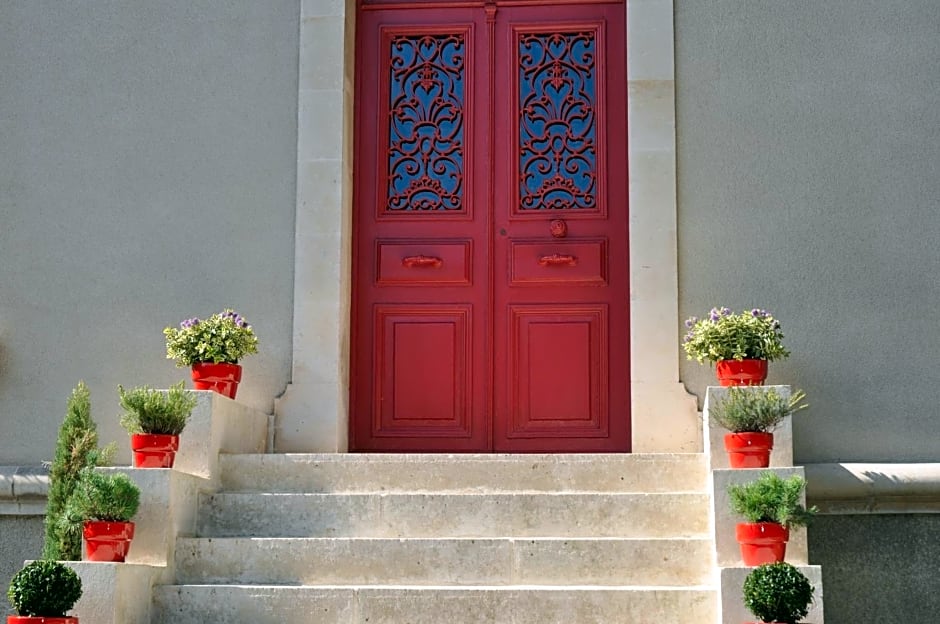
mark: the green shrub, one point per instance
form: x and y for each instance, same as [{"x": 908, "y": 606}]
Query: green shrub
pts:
[
  {"x": 108, "y": 497},
  {"x": 777, "y": 592},
  {"x": 45, "y": 589},
  {"x": 771, "y": 499},
  {"x": 753, "y": 408},
  {"x": 154, "y": 411},
  {"x": 76, "y": 448}
]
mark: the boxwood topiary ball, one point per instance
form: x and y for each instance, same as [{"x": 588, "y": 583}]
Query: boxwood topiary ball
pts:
[
  {"x": 44, "y": 588},
  {"x": 778, "y": 592}
]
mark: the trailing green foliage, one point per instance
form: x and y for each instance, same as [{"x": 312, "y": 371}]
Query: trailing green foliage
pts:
[
  {"x": 754, "y": 408},
  {"x": 777, "y": 592},
  {"x": 76, "y": 448},
  {"x": 223, "y": 337},
  {"x": 771, "y": 499},
  {"x": 723, "y": 335},
  {"x": 44, "y": 589},
  {"x": 154, "y": 411},
  {"x": 108, "y": 497}
]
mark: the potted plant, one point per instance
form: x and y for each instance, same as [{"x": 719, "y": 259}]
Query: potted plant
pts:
[
  {"x": 104, "y": 504},
  {"x": 740, "y": 345},
  {"x": 750, "y": 415},
  {"x": 777, "y": 592},
  {"x": 769, "y": 505},
  {"x": 42, "y": 592},
  {"x": 155, "y": 419},
  {"x": 76, "y": 447},
  {"x": 212, "y": 347}
]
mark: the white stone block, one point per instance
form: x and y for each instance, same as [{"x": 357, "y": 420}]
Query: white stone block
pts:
[
  {"x": 218, "y": 425},
  {"x": 114, "y": 593}
]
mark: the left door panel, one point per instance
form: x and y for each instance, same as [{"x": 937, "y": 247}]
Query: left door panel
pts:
[{"x": 420, "y": 309}]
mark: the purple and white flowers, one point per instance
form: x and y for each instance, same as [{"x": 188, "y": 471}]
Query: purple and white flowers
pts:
[
  {"x": 223, "y": 337},
  {"x": 725, "y": 335}
]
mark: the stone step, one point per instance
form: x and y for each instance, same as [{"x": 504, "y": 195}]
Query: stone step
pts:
[
  {"x": 354, "y": 561},
  {"x": 344, "y": 472},
  {"x": 259, "y": 604},
  {"x": 249, "y": 514}
]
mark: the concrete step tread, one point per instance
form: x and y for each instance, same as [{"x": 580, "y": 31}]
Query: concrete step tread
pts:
[
  {"x": 609, "y": 514},
  {"x": 447, "y": 562},
  {"x": 339, "y": 472},
  {"x": 409, "y": 604}
]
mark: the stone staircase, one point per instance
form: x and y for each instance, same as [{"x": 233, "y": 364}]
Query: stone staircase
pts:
[
  {"x": 233, "y": 535},
  {"x": 449, "y": 539}
]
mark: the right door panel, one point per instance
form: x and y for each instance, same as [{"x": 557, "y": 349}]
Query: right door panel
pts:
[{"x": 561, "y": 365}]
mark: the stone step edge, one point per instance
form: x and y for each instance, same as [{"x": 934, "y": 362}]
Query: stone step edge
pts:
[
  {"x": 457, "y": 457},
  {"x": 445, "y": 492},
  {"x": 450, "y": 588},
  {"x": 508, "y": 538}
]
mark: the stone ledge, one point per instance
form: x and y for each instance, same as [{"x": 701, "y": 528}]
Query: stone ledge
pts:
[
  {"x": 860, "y": 488},
  {"x": 23, "y": 490}
]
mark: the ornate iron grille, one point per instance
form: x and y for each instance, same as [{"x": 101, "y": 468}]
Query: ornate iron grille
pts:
[
  {"x": 557, "y": 126},
  {"x": 426, "y": 123}
]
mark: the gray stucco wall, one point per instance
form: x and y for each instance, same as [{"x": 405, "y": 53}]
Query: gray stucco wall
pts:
[
  {"x": 808, "y": 154},
  {"x": 878, "y": 568},
  {"x": 147, "y": 174},
  {"x": 20, "y": 539}
]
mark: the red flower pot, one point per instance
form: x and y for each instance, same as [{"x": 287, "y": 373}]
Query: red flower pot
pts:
[
  {"x": 40, "y": 619},
  {"x": 762, "y": 542},
  {"x": 222, "y": 377},
  {"x": 154, "y": 450},
  {"x": 749, "y": 449},
  {"x": 107, "y": 541},
  {"x": 741, "y": 372}
]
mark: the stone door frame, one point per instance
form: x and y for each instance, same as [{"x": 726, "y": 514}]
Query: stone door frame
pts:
[{"x": 313, "y": 415}]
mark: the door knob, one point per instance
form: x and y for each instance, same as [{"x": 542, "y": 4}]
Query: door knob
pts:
[{"x": 558, "y": 228}]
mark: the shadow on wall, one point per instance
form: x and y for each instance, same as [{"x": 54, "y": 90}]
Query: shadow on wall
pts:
[{"x": 878, "y": 567}]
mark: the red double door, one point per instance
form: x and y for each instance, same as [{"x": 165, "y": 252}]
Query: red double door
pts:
[{"x": 490, "y": 304}]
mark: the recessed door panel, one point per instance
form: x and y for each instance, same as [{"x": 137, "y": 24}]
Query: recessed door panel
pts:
[
  {"x": 552, "y": 262},
  {"x": 423, "y": 361},
  {"x": 558, "y": 371}
]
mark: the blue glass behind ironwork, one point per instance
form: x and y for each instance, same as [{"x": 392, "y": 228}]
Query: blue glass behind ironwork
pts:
[
  {"x": 426, "y": 123},
  {"x": 557, "y": 126}
]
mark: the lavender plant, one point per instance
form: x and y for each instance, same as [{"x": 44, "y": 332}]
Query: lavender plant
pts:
[{"x": 755, "y": 408}]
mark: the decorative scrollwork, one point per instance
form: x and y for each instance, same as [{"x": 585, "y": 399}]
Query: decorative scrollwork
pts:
[
  {"x": 557, "y": 128},
  {"x": 426, "y": 126}
]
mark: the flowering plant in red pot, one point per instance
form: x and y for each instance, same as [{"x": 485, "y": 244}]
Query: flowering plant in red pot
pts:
[
  {"x": 751, "y": 414},
  {"x": 212, "y": 347},
  {"x": 154, "y": 419},
  {"x": 770, "y": 506},
  {"x": 740, "y": 345},
  {"x": 43, "y": 592}
]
